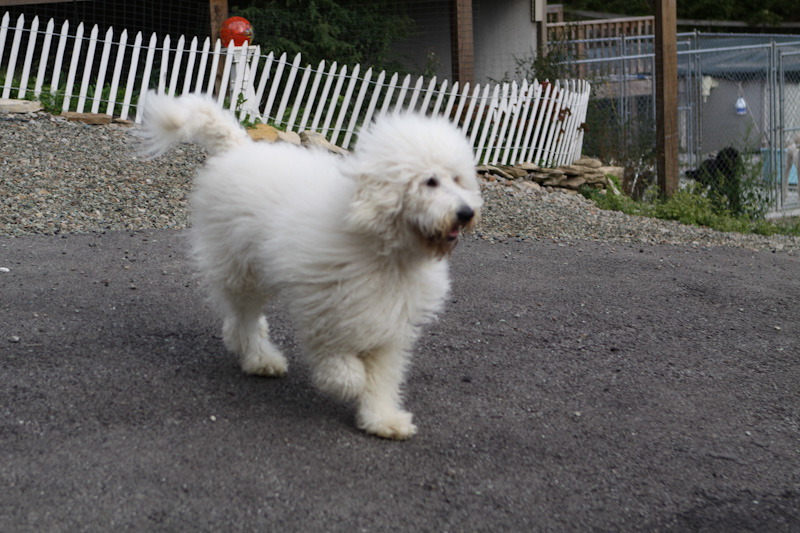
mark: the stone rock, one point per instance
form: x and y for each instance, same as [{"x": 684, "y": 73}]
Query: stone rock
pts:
[
  {"x": 617, "y": 172},
  {"x": 572, "y": 170},
  {"x": 574, "y": 183},
  {"x": 532, "y": 185},
  {"x": 530, "y": 167},
  {"x": 500, "y": 172},
  {"x": 593, "y": 178},
  {"x": 314, "y": 139},
  {"x": 87, "y": 118},
  {"x": 517, "y": 173},
  {"x": 12, "y": 105},
  {"x": 555, "y": 181},
  {"x": 553, "y": 172},
  {"x": 289, "y": 137},
  {"x": 263, "y": 132},
  {"x": 528, "y": 187},
  {"x": 588, "y": 162}
]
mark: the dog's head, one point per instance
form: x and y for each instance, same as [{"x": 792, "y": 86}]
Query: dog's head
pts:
[
  {"x": 728, "y": 159},
  {"x": 416, "y": 183}
]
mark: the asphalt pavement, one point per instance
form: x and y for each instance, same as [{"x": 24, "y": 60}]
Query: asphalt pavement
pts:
[{"x": 568, "y": 387}]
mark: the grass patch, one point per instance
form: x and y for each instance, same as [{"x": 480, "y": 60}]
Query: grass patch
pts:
[{"x": 692, "y": 208}]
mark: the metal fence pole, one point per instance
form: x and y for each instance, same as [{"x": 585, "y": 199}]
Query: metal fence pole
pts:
[
  {"x": 624, "y": 111},
  {"x": 772, "y": 137},
  {"x": 781, "y": 131}
]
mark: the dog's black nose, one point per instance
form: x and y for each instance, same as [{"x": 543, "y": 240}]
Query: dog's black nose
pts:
[{"x": 465, "y": 214}]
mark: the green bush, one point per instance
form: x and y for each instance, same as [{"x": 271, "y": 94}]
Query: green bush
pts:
[
  {"x": 691, "y": 207},
  {"x": 346, "y": 31}
]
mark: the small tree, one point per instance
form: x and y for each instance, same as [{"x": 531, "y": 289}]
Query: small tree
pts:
[{"x": 346, "y": 31}]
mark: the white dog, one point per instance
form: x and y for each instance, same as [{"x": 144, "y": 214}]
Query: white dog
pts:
[
  {"x": 791, "y": 159},
  {"x": 357, "y": 247}
]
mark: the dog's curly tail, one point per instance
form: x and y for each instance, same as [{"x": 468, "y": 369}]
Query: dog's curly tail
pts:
[{"x": 191, "y": 117}]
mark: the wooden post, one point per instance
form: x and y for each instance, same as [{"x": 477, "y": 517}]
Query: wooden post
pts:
[
  {"x": 462, "y": 50},
  {"x": 539, "y": 12},
  {"x": 666, "y": 78},
  {"x": 219, "y": 14}
]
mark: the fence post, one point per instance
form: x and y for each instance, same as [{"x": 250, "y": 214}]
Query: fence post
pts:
[
  {"x": 666, "y": 96},
  {"x": 461, "y": 39}
]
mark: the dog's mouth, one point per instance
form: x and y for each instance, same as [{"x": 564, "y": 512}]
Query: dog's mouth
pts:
[
  {"x": 465, "y": 223},
  {"x": 442, "y": 242},
  {"x": 455, "y": 231}
]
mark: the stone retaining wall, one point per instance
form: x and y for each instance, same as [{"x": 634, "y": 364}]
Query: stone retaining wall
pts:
[{"x": 584, "y": 171}]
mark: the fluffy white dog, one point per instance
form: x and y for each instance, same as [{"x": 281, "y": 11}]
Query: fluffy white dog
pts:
[
  {"x": 791, "y": 159},
  {"x": 357, "y": 247}
]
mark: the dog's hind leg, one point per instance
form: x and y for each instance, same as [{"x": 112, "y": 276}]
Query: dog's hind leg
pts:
[
  {"x": 373, "y": 382},
  {"x": 379, "y": 410},
  {"x": 245, "y": 332},
  {"x": 341, "y": 376}
]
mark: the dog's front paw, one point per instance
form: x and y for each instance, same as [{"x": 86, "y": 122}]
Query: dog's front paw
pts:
[
  {"x": 272, "y": 368},
  {"x": 266, "y": 361},
  {"x": 396, "y": 425}
]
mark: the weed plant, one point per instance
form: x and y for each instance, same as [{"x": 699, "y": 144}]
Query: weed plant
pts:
[
  {"x": 691, "y": 207},
  {"x": 53, "y": 101}
]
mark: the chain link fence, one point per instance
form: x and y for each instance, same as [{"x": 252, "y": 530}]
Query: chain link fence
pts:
[
  {"x": 738, "y": 114},
  {"x": 176, "y": 17},
  {"x": 786, "y": 158}
]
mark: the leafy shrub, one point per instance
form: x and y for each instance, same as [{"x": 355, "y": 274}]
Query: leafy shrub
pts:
[
  {"x": 347, "y": 31},
  {"x": 691, "y": 207}
]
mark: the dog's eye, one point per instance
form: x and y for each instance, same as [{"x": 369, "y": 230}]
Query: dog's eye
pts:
[
  {"x": 432, "y": 182},
  {"x": 457, "y": 180}
]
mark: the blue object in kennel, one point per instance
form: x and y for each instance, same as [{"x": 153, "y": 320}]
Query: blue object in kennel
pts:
[{"x": 778, "y": 169}]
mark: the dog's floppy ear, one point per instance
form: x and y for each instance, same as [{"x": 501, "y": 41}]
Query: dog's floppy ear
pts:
[{"x": 376, "y": 208}]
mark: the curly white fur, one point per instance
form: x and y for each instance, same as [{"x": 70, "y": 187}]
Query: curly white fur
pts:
[
  {"x": 356, "y": 246},
  {"x": 791, "y": 159}
]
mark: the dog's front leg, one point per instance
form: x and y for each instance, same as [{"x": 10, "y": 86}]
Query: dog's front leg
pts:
[
  {"x": 245, "y": 332},
  {"x": 379, "y": 404}
]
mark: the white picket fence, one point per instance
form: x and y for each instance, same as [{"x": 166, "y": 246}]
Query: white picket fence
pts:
[{"x": 506, "y": 123}]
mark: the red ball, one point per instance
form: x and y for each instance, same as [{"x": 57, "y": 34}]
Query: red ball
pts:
[{"x": 237, "y": 29}]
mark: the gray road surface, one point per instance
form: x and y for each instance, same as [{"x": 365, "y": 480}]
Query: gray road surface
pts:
[{"x": 568, "y": 387}]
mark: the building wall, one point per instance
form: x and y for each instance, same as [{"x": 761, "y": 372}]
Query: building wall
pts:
[
  {"x": 722, "y": 127},
  {"x": 502, "y": 29}
]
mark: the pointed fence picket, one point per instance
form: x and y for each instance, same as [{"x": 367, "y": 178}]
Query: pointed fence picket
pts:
[
  {"x": 13, "y": 56},
  {"x": 26, "y": 66},
  {"x": 345, "y": 101},
  {"x": 506, "y": 123},
  {"x": 48, "y": 37}
]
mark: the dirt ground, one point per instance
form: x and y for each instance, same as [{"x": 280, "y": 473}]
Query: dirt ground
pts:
[{"x": 568, "y": 387}]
